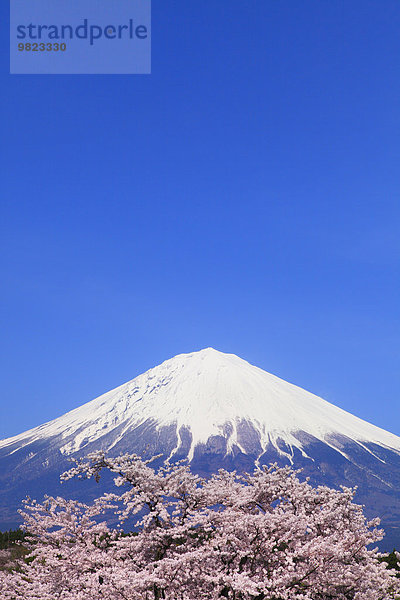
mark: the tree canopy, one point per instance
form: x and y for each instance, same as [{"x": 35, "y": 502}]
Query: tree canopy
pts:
[{"x": 260, "y": 536}]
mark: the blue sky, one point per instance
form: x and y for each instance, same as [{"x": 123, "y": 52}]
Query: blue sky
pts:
[{"x": 244, "y": 196}]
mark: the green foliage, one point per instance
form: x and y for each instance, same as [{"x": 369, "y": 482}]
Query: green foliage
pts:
[
  {"x": 392, "y": 561},
  {"x": 11, "y": 549},
  {"x": 8, "y": 539}
]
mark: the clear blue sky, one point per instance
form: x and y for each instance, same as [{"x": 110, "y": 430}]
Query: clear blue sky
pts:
[{"x": 244, "y": 196}]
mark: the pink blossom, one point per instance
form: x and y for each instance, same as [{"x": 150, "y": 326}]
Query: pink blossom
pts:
[{"x": 261, "y": 536}]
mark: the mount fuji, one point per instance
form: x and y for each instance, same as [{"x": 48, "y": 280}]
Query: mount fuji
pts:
[{"x": 216, "y": 410}]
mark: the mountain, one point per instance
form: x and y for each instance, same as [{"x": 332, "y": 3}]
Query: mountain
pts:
[{"x": 216, "y": 410}]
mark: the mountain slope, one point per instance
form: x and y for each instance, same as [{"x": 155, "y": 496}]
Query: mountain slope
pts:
[
  {"x": 205, "y": 392},
  {"x": 216, "y": 410}
]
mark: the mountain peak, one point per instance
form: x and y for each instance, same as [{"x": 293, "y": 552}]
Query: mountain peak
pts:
[
  {"x": 200, "y": 355},
  {"x": 206, "y": 394},
  {"x": 217, "y": 410}
]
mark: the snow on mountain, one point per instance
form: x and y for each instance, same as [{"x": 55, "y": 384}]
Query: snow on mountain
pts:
[
  {"x": 217, "y": 410},
  {"x": 208, "y": 393}
]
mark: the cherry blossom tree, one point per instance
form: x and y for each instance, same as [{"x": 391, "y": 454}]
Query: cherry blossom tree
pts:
[{"x": 260, "y": 536}]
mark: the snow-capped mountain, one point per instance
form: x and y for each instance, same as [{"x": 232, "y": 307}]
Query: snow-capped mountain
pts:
[{"x": 217, "y": 410}]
